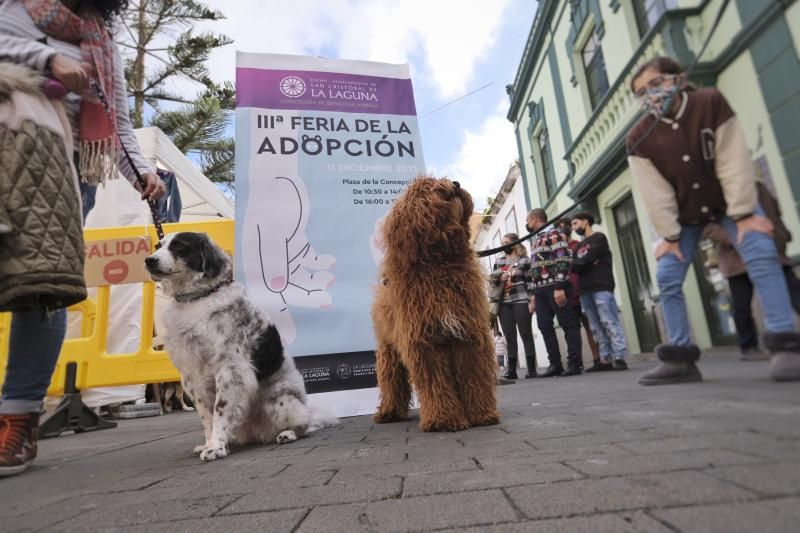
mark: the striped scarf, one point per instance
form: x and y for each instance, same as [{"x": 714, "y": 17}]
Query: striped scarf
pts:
[{"x": 98, "y": 139}]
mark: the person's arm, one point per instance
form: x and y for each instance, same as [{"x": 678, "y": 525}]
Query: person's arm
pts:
[
  {"x": 527, "y": 274},
  {"x": 25, "y": 51},
  {"x": 658, "y": 196},
  {"x": 732, "y": 162},
  {"x": 494, "y": 277},
  {"x": 20, "y": 41},
  {"x": 597, "y": 248},
  {"x": 563, "y": 264}
]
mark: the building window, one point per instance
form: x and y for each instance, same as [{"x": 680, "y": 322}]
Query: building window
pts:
[
  {"x": 649, "y": 11},
  {"x": 496, "y": 241},
  {"x": 511, "y": 222},
  {"x": 595, "y": 67},
  {"x": 543, "y": 143}
]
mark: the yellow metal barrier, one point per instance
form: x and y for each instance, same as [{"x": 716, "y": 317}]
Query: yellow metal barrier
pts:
[{"x": 96, "y": 367}]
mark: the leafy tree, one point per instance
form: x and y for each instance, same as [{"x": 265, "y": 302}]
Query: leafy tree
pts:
[{"x": 163, "y": 46}]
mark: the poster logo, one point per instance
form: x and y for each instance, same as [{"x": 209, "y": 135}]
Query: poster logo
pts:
[
  {"x": 293, "y": 87},
  {"x": 343, "y": 371}
]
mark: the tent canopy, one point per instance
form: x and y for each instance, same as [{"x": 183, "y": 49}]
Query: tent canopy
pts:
[{"x": 201, "y": 198}]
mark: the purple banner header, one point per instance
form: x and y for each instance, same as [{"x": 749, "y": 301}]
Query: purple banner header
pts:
[{"x": 323, "y": 91}]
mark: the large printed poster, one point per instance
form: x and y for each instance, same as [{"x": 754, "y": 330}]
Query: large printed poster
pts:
[{"x": 323, "y": 147}]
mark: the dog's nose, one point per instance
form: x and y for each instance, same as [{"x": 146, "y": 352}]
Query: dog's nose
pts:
[{"x": 150, "y": 261}]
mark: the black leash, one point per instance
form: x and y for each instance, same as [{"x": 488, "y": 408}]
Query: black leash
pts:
[
  {"x": 139, "y": 178},
  {"x": 629, "y": 150}
]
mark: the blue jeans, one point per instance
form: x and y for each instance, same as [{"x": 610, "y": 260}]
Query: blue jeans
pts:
[
  {"x": 763, "y": 266},
  {"x": 34, "y": 345},
  {"x": 603, "y": 314},
  {"x": 88, "y": 194}
]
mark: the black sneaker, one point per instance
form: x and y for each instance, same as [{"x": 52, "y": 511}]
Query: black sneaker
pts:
[
  {"x": 620, "y": 364},
  {"x": 600, "y": 366},
  {"x": 572, "y": 370},
  {"x": 551, "y": 371},
  {"x": 510, "y": 374}
]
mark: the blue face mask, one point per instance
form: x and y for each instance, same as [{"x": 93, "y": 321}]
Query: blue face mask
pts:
[{"x": 665, "y": 95}]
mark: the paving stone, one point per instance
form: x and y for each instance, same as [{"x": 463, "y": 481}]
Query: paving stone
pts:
[
  {"x": 635, "y": 522},
  {"x": 775, "y": 516},
  {"x": 592, "y": 439},
  {"x": 408, "y": 468},
  {"x": 685, "y": 458},
  {"x": 274, "y": 522},
  {"x": 276, "y": 497},
  {"x": 746, "y": 442},
  {"x": 90, "y": 513},
  {"x": 535, "y": 457},
  {"x": 366, "y": 454},
  {"x": 485, "y": 479},
  {"x": 659, "y": 462},
  {"x": 622, "y": 493},
  {"x": 243, "y": 480},
  {"x": 775, "y": 479},
  {"x": 412, "y": 514}
]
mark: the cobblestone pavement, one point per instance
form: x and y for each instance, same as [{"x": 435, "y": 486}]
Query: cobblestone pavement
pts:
[{"x": 593, "y": 453}]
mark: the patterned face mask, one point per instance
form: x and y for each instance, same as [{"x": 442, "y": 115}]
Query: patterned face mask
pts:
[{"x": 664, "y": 97}]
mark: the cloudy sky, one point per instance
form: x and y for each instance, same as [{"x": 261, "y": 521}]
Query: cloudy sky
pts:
[{"x": 453, "y": 47}]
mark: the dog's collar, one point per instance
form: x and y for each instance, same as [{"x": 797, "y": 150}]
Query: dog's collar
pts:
[{"x": 196, "y": 295}]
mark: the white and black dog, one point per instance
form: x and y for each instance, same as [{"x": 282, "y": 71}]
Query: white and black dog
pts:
[{"x": 228, "y": 352}]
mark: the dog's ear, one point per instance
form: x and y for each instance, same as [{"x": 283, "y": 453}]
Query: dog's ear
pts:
[{"x": 212, "y": 260}]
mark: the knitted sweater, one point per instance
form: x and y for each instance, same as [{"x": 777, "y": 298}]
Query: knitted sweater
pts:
[
  {"x": 22, "y": 42},
  {"x": 551, "y": 259}
]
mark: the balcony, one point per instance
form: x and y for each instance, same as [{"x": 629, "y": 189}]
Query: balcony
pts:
[{"x": 677, "y": 34}]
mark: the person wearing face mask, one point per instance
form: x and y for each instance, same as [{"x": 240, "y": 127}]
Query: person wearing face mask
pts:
[
  {"x": 513, "y": 270},
  {"x": 689, "y": 158},
  {"x": 551, "y": 258},
  {"x": 53, "y": 55},
  {"x": 592, "y": 262},
  {"x": 565, "y": 225}
]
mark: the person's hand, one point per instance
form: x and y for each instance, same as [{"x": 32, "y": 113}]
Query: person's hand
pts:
[
  {"x": 504, "y": 277},
  {"x": 154, "y": 187},
  {"x": 69, "y": 72},
  {"x": 665, "y": 247},
  {"x": 532, "y": 305},
  {"x": 757, "y": 223},
  {"x": 560, "y": 297}
]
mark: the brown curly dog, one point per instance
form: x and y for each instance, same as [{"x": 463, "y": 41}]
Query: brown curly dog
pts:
[{"x": 430, "y": 313}]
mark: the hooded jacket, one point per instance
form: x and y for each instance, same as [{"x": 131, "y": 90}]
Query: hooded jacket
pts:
[{"x": 41, "y": 233}]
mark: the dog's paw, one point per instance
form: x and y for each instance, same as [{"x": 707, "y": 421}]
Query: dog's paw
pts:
[
  {"x": 285, "y": 437},
  {"x": 199, "y": 449},
  {"x": 443, "y": 425},
  {"x": 212, "y": 453},
  {"x": 385, "y": 417},
  {"x": 489, "y": 419}
]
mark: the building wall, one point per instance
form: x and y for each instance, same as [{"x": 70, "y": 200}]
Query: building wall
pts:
[{"x": 752, "y": 58}]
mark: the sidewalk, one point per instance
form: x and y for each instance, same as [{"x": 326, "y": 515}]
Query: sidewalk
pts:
[{"x": 595, "y": 453}]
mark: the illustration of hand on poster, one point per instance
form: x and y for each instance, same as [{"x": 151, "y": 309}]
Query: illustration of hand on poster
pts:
[{"x": 291, "y": 271}]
